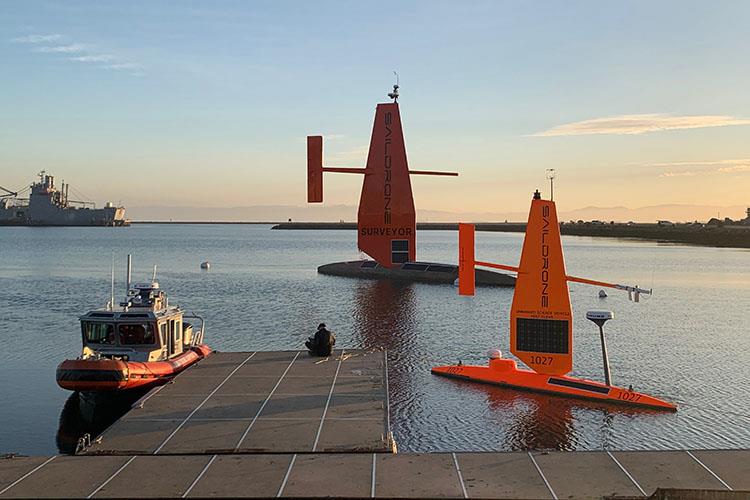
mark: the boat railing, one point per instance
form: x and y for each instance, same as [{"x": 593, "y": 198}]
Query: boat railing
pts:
[{"x": 197, "y": 336}]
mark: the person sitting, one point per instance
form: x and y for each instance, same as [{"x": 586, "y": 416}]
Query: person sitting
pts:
[{"x": 322, "y": 343}]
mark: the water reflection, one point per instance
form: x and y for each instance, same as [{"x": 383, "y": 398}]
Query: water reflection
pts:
[
  {"x": 261, "y": 302},
  {"x": 542, "y": 421},
  {"x": 384, "y": 314},
  {"x": 90, "y": 414}
]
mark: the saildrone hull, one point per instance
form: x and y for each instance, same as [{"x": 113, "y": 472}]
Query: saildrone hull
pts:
[{"x": 504, "y": 372}]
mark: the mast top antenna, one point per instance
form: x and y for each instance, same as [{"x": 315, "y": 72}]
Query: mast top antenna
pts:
[
  {"x": 551, "y": 175},
  {"x": 394, "y": 95}
]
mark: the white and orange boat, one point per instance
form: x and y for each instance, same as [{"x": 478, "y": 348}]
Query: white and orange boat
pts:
[
  {"x": 143, "y": 342},
  {"x": 541, "y": 326}
]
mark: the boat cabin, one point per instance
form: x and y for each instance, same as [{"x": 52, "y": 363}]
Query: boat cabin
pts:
[{"x": 143, "y": 328}]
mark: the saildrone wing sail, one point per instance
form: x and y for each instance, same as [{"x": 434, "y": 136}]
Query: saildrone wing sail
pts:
[
  {"x": 314, "y": 169},
  {"x": 541, "y": 330},
  {"x": 387, "y": 219},
  {"x": 466, "y": 260}
]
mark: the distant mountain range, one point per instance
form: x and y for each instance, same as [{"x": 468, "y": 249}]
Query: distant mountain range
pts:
[{"x": 334, "y": 213}]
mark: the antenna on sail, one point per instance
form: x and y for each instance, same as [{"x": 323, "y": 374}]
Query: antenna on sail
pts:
[
  {"x": 111, "y": 304},
  {"x": 551, "y": 176},
  {"x": 394, "y": 95},
  {"x": 129, "y": 275}
]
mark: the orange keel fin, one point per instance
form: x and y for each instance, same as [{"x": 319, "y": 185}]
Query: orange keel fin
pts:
[
  {"x": 541, "y": 328},
  {"x": 314, "y": 169},
  {"x": 466, "y": 262}
]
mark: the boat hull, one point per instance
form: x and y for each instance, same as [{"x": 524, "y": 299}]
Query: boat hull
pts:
[
  {"x": 504, "y": 372},
  {"x": 424, "y": 272},
  {"x": 118, "y": 375}
]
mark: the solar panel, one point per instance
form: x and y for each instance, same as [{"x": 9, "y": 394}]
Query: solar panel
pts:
[
  {"x": 369, "y": 264},
  {"x": 437, "y": 268},
  {"x": 542, "y": 335},
  {"x": 399, "y": 257},
  {"x": 414, "y": 267},
  {"x": 400, "y": 245},
  {"x": 578, "y": 385}
]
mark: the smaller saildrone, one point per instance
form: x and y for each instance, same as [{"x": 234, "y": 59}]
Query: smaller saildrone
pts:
[{"x": 541, "y": 327}]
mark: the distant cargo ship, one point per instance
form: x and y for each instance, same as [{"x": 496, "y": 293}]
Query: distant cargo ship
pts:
[{"x": 49, "y": 206}]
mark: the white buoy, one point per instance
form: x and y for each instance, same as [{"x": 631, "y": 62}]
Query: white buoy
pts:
[{"x": 205, "y": 265}]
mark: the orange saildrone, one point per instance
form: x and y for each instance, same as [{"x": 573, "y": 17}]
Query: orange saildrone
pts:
[
  {"x": 541, "y": 328},
  {"x": 386, "y": 220}
]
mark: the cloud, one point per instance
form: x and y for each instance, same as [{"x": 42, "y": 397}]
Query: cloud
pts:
[
  {"x": 640, "y": 124},
  {"x": 95, "y": 58},
  {"x": 37, "y": 38},
  {"x": 357, "y": 155},
  {"x": 705, "y": 167},
  {"x": 686, "y": 173},
  {"x": 79, "y": 52},
  {"x": 121, "y": 66},
  {"x": 701, "y": 163},
  {"x": 736, "y": 168},
  {"x": 705, "y": 163},
  {"x": 62, "y": 49}
]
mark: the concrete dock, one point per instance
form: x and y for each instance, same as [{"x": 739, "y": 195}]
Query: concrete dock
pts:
[
  {"x": 267, "y": 424},
  {"x": 596, "y": 474},
  {"x": 261, "y": 402}
]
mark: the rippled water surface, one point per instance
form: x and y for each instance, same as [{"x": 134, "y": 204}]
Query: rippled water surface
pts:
[{"x": 688, "y": 343}]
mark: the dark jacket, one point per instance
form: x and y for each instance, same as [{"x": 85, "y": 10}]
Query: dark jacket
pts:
[{"x": 322, "y": 343}]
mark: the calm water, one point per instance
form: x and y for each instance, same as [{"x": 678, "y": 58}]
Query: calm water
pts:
[{"x": 688, "y": 343}]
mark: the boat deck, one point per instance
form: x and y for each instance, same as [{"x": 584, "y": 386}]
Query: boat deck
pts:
[
  {"x": 455, "y": 475},
  {"x": 261, "y": 402}
]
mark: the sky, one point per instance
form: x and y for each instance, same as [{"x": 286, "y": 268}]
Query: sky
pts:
[{"x": 154, "y": 103}]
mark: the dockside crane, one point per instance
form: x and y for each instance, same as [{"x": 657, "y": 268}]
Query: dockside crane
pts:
[{"x": 8, "y": 193}]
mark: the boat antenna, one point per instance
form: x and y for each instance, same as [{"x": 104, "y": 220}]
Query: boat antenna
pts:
[
  {"x": 112, "y": 284},
  {"x": 551, "y": 176},
  {"x": 394, "y": 95},
  {"x": 130, "y": 274},
  {"x": 153, "y": 278}
]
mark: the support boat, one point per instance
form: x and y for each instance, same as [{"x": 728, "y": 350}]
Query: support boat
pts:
[{"x": 141, "y": 343}]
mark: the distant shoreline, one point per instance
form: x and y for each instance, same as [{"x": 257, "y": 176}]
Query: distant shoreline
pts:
[
  {"x": 202, "y": 222},
  {"x": 725, "y": 236},
  {"x": 720, "y": 236}
]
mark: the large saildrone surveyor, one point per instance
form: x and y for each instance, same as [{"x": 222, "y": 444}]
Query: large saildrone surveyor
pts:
[{"x": 386, "y": 219}]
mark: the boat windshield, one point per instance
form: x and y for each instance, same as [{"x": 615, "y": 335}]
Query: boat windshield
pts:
[
  {"x": 134, "y": 334},
  {"x": 99, "y": 333}
]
